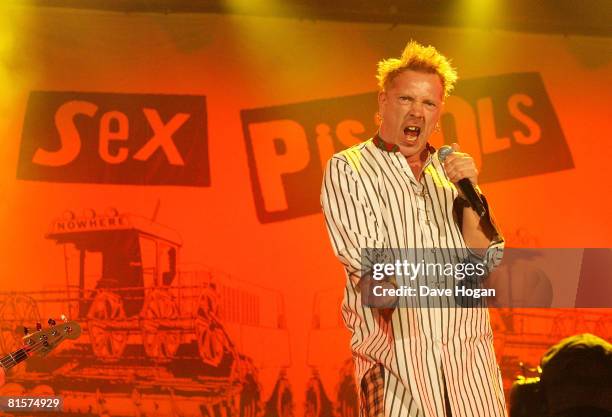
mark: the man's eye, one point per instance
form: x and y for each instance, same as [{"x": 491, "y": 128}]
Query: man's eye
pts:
[{"x": 430, "y": 104}]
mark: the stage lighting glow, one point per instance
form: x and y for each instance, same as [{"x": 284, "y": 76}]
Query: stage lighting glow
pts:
[
  {"x": 14, "y": 71},
  {"x": 7, "y": 40},
  {"x": 479, "y": 13},
  {"x": 258, "y": 7}
]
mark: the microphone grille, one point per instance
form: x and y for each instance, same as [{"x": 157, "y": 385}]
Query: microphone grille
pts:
[{"x": 443, "y": 152}]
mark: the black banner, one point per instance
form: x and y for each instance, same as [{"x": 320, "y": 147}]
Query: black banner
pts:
[
  {"x": 109, "y": 138},
  {"x": 506, "y": 122}
]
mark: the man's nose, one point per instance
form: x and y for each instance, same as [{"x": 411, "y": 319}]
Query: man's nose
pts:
[{"x": 416, "y": 109}]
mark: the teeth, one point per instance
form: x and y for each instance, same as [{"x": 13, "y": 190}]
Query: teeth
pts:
[{"x": 412, "y": 129}]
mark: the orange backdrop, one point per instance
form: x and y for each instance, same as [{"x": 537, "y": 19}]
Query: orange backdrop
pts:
[{"x": 244, "y": 63}]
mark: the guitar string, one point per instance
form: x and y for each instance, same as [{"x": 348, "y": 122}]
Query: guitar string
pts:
[
  {"x": 26, "y": 350},
  {"x": 18, "y": 356},
  {"x": 14, "y": 356}
]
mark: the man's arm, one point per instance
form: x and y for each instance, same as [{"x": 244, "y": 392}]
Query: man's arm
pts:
[
  {"x": 481, "y": 234},
  {"x": 478, "y": 232},
  {"x": 353, "y": 227},
  {"x": 350, "y": 221}
]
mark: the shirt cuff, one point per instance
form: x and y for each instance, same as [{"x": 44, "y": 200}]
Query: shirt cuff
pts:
[{"x": 495, "y": 251}]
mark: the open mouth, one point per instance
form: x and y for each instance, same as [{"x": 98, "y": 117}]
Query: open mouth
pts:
[{"x": 412, "y": 132}]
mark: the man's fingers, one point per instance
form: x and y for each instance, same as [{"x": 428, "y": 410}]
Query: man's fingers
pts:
[
  {"x": 459, "y": 165},
  {"x": 457, "y": 162},
  {"x": 460, "y": 168}
]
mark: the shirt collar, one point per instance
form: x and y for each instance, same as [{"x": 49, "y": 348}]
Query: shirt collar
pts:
[{"x": 392, "y": 147}]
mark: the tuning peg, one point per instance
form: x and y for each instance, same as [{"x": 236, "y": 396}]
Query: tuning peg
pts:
[
  {"x": 25, "y": 331},
  {"x": 38, "y": 327},
  {"x": 51, "y": 322}
]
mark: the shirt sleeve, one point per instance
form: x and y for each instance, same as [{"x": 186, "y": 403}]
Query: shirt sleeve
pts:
[{"x": 351, "y": 223}]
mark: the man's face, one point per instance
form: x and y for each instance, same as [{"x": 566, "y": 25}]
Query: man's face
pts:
[{"x": 410, "y": 109}]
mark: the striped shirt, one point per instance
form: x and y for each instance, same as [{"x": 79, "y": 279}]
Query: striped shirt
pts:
[{"x": 371, "y": 199}]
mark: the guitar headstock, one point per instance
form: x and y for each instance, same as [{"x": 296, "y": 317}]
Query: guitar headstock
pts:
[{"x": 45, "y": 340}]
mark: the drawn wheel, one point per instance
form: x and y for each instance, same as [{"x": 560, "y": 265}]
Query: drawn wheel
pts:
[
  {"x": 16, "y": 312},
  {"x": 12, "y": 389},
  {"x": 347, "y": 397},
  {"x": 106, "y": 308},
  {"x": 250, "y": 396},
  {"x": 159, "y": 312},
  {"x": 284, "y": 402},
  {"x": 42, "y": 390},
  {"x": 318, "y": 403},
  {"x": 212, "y": 341},
  {"x": 312, "y": 407}
]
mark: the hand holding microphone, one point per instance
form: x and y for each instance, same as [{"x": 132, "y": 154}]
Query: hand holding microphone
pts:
[{"x": 461, "y": 170}]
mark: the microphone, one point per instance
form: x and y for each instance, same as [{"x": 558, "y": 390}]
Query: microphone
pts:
[{"x": 465, "y": 185}]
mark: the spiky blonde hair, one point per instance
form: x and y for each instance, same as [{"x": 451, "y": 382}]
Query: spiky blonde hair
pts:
[{"x": 417, "y": 57}]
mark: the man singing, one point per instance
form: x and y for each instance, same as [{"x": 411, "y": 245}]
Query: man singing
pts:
[{"x": 392, "y": 191}]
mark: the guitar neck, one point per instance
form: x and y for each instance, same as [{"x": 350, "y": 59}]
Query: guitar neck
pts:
[
  {"x": 12, "y": 359},
  {"x": 41, "y": 342}
]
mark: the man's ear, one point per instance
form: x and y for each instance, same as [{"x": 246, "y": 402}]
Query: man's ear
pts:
[{"x": 382, "y": 99}]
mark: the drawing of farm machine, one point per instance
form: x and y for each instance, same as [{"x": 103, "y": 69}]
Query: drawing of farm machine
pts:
[{"x": 224, "y": 341}]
